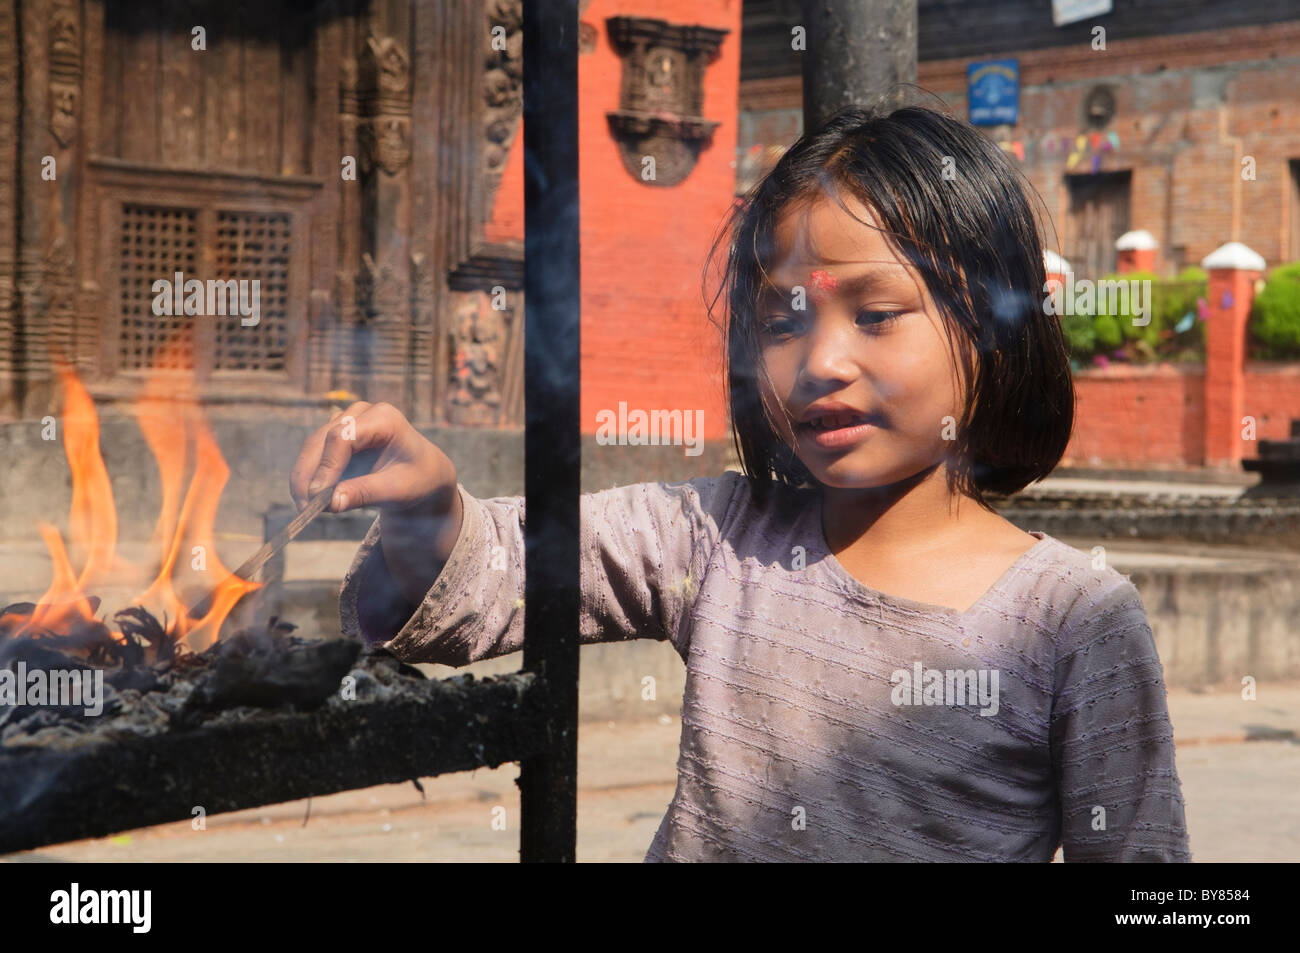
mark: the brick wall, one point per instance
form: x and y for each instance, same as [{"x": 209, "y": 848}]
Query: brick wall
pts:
[
  {"x": 1155, "y": 416},
  {"x": 1138, "y": 417},
  {"x": 1188, "y": 108},
  {"x": 1273, "y": 399}
]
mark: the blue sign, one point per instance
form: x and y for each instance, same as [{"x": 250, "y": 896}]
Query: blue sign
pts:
[{"x": 993, "y": 92}]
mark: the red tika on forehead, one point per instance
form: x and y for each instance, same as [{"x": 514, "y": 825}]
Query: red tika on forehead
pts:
[{"x": 822, "y": 283}]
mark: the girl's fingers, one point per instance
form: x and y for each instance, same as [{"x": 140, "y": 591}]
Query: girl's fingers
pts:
[
  {"x": 309, "y": 458},
  {"x": 389, "y": 485},
  {"x": 306, "y": 464},
  {"x": 358, "y": 429}
]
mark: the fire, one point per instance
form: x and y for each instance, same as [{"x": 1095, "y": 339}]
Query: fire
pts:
[{"x": 168, "y": 416}]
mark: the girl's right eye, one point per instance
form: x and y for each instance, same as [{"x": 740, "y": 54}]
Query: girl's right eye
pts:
[{"x": 776, "y": 325}]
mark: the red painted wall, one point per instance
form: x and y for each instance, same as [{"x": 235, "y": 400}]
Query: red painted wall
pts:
[{"x": 645, "y": 336}]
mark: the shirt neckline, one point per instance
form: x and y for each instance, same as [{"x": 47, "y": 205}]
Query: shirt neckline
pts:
[{"x": 857, "y": 587}]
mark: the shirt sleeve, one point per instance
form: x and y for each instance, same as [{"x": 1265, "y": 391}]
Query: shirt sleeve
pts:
[
  {"x": 643, "y": 549},
  {"x": 1111, "y": 737}
]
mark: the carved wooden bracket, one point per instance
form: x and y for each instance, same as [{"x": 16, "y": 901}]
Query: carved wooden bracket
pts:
[
  {"x": 503, "y": 97},
  {"x": 384, "y": 93},
  {"x": 65, "y": 74},
  {"x": 662, "y": 96}
]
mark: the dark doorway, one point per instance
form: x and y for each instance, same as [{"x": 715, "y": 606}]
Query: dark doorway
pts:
[{"x": 1098, "y": 214}]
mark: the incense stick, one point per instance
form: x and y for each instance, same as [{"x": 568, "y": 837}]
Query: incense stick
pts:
[{"x": 253, "y": 565}]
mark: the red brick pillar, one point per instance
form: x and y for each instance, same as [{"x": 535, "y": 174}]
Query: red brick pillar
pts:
[
  {"x": 1233, "y": 270},
  {"x": 1136, "y": 251}
]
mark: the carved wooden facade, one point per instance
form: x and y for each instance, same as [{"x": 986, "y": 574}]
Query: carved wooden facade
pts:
[
  {"x": 662, "y": 95},
  {"x": 218, "y": 139}
]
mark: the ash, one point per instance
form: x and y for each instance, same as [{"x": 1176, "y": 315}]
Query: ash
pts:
[{"x": 152, "y": 687}]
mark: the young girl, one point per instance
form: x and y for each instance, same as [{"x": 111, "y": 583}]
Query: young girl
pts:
[{"x": 879, "y": 667}]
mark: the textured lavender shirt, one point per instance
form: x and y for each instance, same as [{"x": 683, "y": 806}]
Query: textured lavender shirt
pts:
[{"x": 824, "y": 720}]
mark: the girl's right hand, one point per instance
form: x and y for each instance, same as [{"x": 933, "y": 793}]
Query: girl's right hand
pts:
[{"x": 410, "y": 477}]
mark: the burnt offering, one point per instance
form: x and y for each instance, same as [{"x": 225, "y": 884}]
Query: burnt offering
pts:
[
  {"x": 262, "y": 717},
  {"x": 255, "y": 669},
  {"x": 110, "y": 722}
]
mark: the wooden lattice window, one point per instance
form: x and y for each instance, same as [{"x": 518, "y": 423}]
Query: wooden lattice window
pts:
[
  {"x": 254, "y": 246},
  {"x": 155, "y": 242},
  {"x": 223, "y": 231}
]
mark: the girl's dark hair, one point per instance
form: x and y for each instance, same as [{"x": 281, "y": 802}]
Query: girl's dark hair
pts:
[{"x": 954, "y": 205}]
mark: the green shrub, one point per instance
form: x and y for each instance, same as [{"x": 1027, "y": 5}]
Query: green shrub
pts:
[
  {"x": 1275, "y": 317},
  {"x": 1125, "y": 313},
  {"x": 1109, "y": 333},
  {"x": 1112, "y": 329},
  {"x": 1080, "y": 335},
  {"x": 1176, "y": 299}
]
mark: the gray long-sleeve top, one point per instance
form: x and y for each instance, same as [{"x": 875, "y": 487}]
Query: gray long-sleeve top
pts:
[{"x": 824, "y": 720}]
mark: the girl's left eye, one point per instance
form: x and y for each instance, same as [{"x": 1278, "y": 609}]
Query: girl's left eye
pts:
[{"x": 879, "y": 318}]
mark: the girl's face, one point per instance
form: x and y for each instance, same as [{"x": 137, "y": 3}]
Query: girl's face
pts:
[{"x": 869, "y": 337}]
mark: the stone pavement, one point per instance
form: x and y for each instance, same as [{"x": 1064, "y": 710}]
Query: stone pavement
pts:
[
  {"x": 1239, "y": 762},
  {"x": 1130, "y": 487}
]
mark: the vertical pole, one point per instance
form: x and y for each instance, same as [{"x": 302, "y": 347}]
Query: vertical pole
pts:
[
  {"x": 552, "y": 453},
  {"x": 859, "y": 51}
]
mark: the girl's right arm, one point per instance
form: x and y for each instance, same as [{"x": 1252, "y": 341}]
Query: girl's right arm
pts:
[
  {"x": 411, "y": 481},
  {"x": 440, "y": 575}
]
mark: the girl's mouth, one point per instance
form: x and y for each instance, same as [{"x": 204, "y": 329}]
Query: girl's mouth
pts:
[{"x": 838, "y": 430}]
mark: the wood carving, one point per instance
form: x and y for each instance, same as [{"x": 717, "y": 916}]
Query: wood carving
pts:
[
  {"x": 422, "y": 336},
  {"x": 662, "y": 96},
  {"x": 478, "y": 340},
  {"x": 502, "y": 87},
  {"x": 65, "y": 74},
  {"x": 385, "y": 95},
  {"x": 379, "y": 294}
]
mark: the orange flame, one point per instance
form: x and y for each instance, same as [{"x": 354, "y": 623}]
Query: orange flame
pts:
[{"x": 92, "y": 519}]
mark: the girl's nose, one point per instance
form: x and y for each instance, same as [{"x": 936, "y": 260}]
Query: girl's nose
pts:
[{"x": 830, "y": 357}]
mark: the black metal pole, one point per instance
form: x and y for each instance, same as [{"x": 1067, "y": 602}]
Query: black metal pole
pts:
[
  {"x": 548, "y": 783},
  {"x": 859, "y": 52}
]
